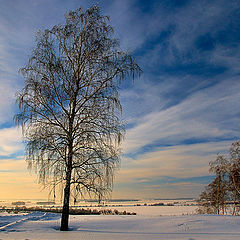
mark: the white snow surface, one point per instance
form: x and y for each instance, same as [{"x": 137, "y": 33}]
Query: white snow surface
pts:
[{"x": 37, "y": 225}]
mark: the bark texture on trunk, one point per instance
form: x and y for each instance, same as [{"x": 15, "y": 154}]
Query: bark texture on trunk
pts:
[{"x": 67, "y": 189}]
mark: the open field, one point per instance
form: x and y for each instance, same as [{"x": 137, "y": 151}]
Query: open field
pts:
[{"x": 37, "y": 225}]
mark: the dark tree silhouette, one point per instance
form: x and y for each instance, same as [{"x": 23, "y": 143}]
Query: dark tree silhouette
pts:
[{"x": 69, "y": 108}]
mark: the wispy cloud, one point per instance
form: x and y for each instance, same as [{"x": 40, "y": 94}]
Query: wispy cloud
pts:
[
  {"x": 169, "y": 171},
  {"x": 207, "y": 114},
  {"x": 10, "y": 141}
]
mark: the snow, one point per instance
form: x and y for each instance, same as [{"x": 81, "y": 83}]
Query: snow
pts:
[{"x": 37, "y": 225}]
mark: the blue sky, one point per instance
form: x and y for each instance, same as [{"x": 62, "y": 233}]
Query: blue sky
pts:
[{"x": 183, "y": 110}]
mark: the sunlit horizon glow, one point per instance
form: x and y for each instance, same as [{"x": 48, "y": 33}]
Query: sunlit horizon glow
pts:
[{"x": 181, "y": 112}]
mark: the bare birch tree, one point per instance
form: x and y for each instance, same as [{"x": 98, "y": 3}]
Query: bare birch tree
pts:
[
  {"x": 234, "y": 174},
  {"x": 69, "y": 108},
  {"x": 215, "y": 195},
  {"x": 209, "y": 199},
  {"x": 224, "y": 190},
  {"x": 219, "y": 185}
]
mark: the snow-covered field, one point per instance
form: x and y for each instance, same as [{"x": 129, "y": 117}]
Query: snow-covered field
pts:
[{"x": 189, "y": 227}]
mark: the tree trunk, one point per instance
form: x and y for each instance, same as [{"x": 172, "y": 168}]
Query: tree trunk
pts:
[{"x": 65, "y": 210}]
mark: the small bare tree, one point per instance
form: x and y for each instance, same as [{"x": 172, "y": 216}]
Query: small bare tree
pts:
[
  {"x": 235, "y": 165},
  {"x": 69, "y": 106},
  {"x": 234, "y": 174},
  {"x": 225, "y": 188},
  {"x": 215, "y": 195},
  {"x": 209, "y": 201},
  {"x": 219, "y": 185}
]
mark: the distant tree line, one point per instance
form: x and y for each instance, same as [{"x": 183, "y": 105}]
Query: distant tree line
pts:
[
  {"x": 72, "y": 211},
  {"x": 222, "y": 195}
]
